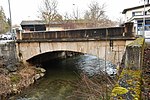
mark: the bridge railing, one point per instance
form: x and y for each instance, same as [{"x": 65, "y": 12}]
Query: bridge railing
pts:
[{"x": 95, "y": 33}]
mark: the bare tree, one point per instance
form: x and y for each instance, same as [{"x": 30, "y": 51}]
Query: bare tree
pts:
[
  {"x": 95, "y": 16},
  {"x": 70, "y": 20},
  {"x": 95, "y": 13},
  {"x": 49, "y": 12},
  {"x": 120, "y": 21},
  {"x": 75, "y": 13}
]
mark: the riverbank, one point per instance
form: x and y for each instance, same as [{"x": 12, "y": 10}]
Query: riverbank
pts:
[
  {"x": 13, "y": 82},
  {"x": 14, "y": 75}
]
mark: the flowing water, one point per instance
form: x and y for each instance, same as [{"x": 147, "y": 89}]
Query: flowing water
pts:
[{"x": 60, "y": 77}]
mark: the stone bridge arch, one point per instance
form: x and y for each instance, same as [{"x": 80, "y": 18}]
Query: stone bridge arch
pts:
[
  {"x": 44, "y": 57},
  {"x": 27, "y": 50}
]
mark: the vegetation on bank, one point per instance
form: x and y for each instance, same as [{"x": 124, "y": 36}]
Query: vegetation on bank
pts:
[
  {"x": 97, "y": 87},
  {"x": 14, "y": 82}
]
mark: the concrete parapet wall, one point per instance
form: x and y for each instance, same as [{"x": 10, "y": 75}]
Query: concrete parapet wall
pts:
[{"x": 128, "y": 86}]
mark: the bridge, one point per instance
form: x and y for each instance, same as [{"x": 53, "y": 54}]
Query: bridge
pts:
[
  {"x": 32, "y": 46},
  {"x": 106, "y": 43}
]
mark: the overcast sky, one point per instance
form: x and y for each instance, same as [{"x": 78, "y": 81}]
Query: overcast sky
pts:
[{"x": 28, "y": 9}]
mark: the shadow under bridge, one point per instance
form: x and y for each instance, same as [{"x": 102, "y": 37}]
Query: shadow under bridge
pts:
[
  {"x": 44, "y": 58},
  {"x": 58, "y": 60}
]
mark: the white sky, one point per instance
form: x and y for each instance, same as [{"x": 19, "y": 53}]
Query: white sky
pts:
[{"x": 28, "y": 9}]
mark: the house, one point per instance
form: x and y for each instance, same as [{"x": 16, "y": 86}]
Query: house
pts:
[
  {"x": 140, "y": 16},
  {"x": 33, "y": 25},
  {"x": 40, "y": 25}
]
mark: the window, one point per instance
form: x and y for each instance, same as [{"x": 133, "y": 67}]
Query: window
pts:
[
  {"x": 137, "y": 13},
  {"x": 140, "y": 25},
  {"x": 133, "y": 13},
  {"x": 147, "y": 28},
  {"x": 148, "y": 12}
]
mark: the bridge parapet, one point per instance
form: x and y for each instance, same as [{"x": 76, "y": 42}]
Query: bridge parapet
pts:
[
  {"x": 92, "y": 33},
  {"x": 128, "y": 86}
]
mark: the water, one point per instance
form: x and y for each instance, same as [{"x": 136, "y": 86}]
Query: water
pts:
[{"x": 60, "y": 77}]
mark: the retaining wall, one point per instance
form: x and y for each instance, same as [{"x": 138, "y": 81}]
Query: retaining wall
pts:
[{"x": 128, "y": 86}]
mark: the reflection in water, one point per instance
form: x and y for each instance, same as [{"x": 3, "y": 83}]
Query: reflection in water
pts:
[{"x": 60, "y": 76}]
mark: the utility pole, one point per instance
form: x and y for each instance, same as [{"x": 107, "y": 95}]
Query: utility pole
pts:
[{"x": 10, "y": 16}]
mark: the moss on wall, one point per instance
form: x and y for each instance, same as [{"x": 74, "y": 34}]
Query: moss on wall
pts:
[{"x": 128, "y": 86}]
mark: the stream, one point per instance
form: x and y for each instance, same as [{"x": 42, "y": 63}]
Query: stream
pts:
[{"x": 57, "y": 84}]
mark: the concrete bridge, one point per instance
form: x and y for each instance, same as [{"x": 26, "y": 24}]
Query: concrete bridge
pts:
[{"x": 105, "y": 43}]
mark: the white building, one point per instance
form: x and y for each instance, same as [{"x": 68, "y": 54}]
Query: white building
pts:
[{"x": 137, "y": 15}]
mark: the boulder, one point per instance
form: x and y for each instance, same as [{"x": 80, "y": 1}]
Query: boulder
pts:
[{"x": 11, "y": 67}]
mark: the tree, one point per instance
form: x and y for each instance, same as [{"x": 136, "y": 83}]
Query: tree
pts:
[
  {"x": 95, "y": 16},
  {"x": 120, "y": 21},
  {"x": 75, "y": 15},
  {"x": 48, "y": 11},
  {"x": 9, "y": 21},
  {"x": 4, "y": 26}
]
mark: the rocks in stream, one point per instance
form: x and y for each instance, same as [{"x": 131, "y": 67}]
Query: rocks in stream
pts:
[
  {"x": 41, "y": 73},
  {"x": 41, "y": 69}
]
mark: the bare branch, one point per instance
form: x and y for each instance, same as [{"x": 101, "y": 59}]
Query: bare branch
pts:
[
  {"x": 95, "y": 16},
  {"x": 49, "y": 11}
]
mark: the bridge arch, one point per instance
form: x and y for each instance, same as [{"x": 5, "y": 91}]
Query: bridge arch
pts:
[
  {"x": 28, "y": 50},
  {"x": 44, "y": 57}
]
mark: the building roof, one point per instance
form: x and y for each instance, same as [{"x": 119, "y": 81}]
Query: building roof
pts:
[
  {"x": 37, "y": 22},
  {"x": 137, "y": 7},
  {"x": 32, "y": 22}
]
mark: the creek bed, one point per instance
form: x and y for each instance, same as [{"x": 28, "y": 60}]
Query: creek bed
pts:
[{"x": 61, "y": 77}]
